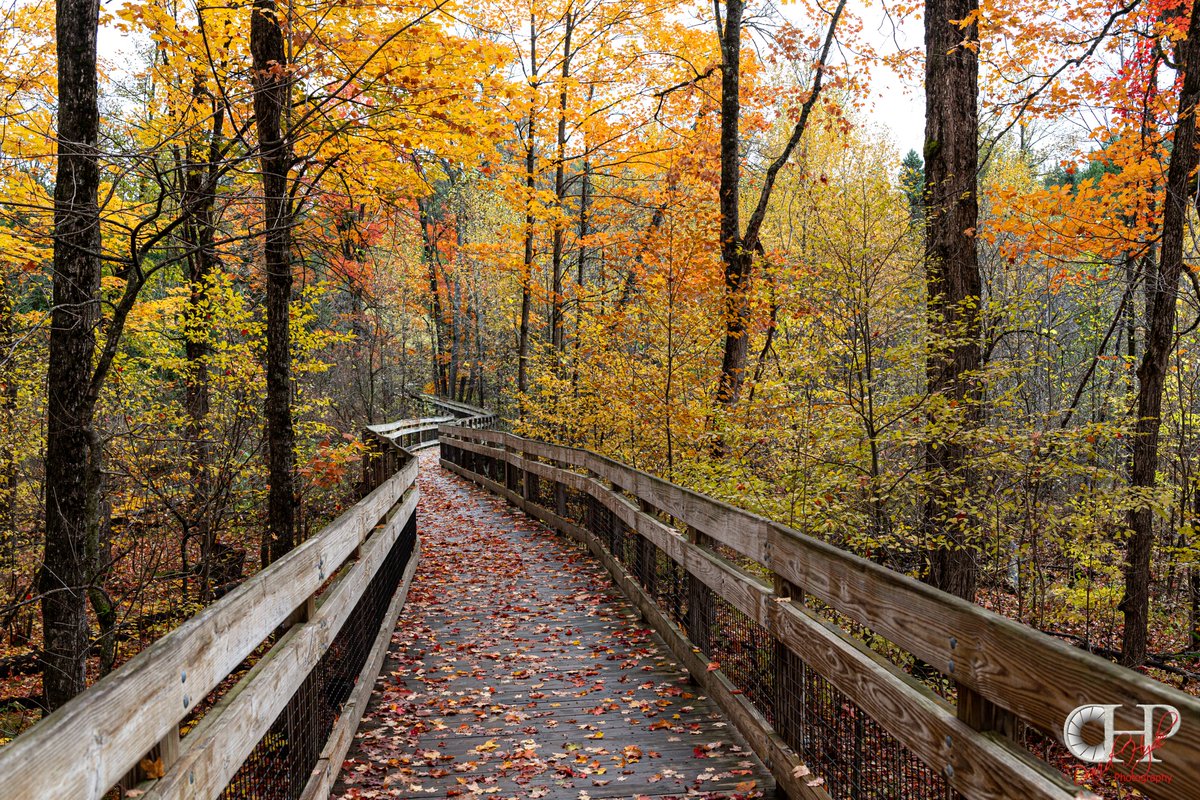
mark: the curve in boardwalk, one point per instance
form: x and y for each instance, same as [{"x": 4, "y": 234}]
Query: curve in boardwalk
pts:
[{"x": 517, "y": 671}]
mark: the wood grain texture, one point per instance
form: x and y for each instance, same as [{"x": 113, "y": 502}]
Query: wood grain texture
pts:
[
  {"x": 211, "y": 759},
  {"x": 116, "y": 722}
]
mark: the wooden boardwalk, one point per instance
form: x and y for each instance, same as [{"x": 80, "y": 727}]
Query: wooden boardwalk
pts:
[{"x": 517, "y": 671}]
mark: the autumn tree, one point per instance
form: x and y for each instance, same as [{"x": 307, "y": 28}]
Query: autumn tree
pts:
[
  {"x": 739, "y": 245},
  {"x": 1162, "y": 295}
]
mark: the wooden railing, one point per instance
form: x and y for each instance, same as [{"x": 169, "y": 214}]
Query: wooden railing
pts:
[
  {"x": 275, "y": 726},
  {"x": 467, "y": 416},
  {"x": 775, "y": 626}
]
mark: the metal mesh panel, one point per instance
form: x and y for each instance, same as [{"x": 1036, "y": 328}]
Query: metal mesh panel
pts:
[
  {"x": 839, "y": 742},
  {"x": 280, "y": 764},
  {"x": 746, "y": 653}
]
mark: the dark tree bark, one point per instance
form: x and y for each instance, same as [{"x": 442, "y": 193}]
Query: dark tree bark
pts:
[
  {"x": 737, "y": 246},
  {"x": 429, "y": 249},
  {"x": 557, "y": 328},
  {"x": 585, "y": 200},
  {"x": 71, "y": 501},
  {"x": 736, "y": 257},
  {"x": 1159, "y": 344},
  {"x": 953, "y": 282},
  {"x": 199, "y": 180},
  {"x": 272, "y": 84},
  {"x": 527, "y": 264},
  {"x": 8, "y": 455}
]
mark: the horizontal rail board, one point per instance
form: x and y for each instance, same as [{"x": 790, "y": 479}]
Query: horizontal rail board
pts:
[
  {"x": 1037, "y": 677},
  {"x": 209, "y": 761},
  {"x": 117, "y": 721}
]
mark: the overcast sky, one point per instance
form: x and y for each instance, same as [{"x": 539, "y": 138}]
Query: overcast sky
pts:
[{"x": 895, "y": 106}]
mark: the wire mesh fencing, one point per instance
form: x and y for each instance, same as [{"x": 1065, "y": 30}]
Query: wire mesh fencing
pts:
[
  {"x": 854, "y": 757},
  {"x": 281, "y": 763}
]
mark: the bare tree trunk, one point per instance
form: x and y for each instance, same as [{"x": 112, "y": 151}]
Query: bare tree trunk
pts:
[
  {"x": 557, "y": 333},
  {"x": 738, "y": 260},
  {"x": 585, "y": 199},
  {"x": 527, "y": 265},
  {"x": 71, "y": 503},
  {"x": 199, "y": 234},
  {"x": 1160, "y": 340},
  {"x": 272, "y": 85},
  {"x": 738, "y": 246},
  {"x": 952, "y": 277},
  {"x": 429, "y": 247},
  {"x": 99, "y": 556},
  {"x": 8, "y": 409}
]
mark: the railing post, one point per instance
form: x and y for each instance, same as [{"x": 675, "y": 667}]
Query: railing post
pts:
[
  {"x": 530, "y": 486},
  {"x": 560, "y": 499},
  {"x": 983, "y": 715},
  {"x": 156, "y": 763},
  {"x": 510, "y": 469},
  {"x": 789, "y": 679},
  {"x": 700, "y": 606},
  {"x": 647, "y": 557}
]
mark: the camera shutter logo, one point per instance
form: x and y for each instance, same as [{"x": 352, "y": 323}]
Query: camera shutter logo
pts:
[{"x": 1106, "y": 715}]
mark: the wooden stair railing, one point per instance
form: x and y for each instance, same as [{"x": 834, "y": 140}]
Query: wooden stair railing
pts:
[
  {"x": 764, "y": 618},
  {"x": 273, "y": 727}
]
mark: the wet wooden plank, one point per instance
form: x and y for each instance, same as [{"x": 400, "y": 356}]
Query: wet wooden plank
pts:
[{"x": 532, "y": 677}]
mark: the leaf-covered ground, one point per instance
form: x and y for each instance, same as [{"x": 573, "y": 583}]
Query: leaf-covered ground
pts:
[{"x": 517, "y": 671}]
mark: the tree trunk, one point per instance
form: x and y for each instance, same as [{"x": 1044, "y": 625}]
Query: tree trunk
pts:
[
  {"x": 557, "y": 332},
  {"x": 585, "y": 199},
  {"x": 199, "y": 234},
  {"x": 271, "y": 93},
  {"x": 99, "y": 556},
  {"x": 952, "y": 278},
  {"x": 1159, "y": 343},
  {"x": 738, "y": 246},
  {"x": 527, "y": 264},
  {"x": 429, "y": 247},
  {"x": 71, "y": 504},
  {"x": 736, "y": 259},
  {"x": 8, "y": 452}
]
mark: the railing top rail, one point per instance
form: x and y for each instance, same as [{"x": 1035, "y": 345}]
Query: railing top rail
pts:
[
  {"x": 403, "y": 426},
  {"x": 462, "y": 412}
]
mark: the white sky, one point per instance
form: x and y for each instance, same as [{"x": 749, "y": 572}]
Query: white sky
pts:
[
  {"x": 900, "y": 108},
  {"x": 894, "y": 104}
]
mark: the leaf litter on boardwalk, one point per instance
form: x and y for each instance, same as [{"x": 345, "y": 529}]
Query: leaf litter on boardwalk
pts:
[{"x": 516, "y": 672}]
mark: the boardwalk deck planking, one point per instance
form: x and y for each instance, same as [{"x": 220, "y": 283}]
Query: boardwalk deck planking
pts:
[{"x": 518, "y": 671}]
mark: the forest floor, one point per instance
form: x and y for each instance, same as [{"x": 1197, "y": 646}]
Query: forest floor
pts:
[{"x": 517, "y": 671}]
